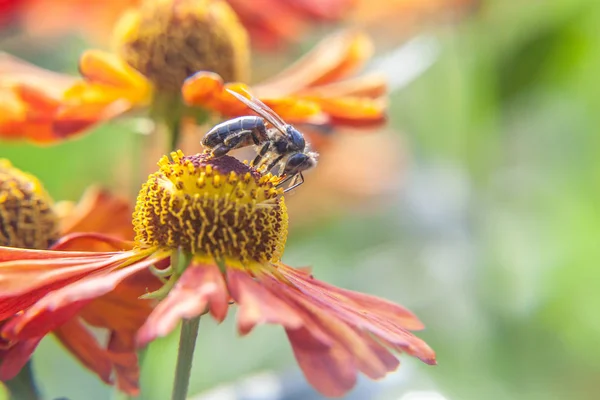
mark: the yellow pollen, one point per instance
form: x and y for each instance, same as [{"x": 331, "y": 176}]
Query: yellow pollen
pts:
[
  {"x": 212, "y": 207},
  {"x": 26, "y": 216},
  {"x": 169, "y": 40}
]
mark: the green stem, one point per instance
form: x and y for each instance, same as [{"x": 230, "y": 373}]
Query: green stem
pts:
[
  {"x": 174, "y": 128},
  {"x": 185, "y": 355},
  {"x": 22, "y": 386}
]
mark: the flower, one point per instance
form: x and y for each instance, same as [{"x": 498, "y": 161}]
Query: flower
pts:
[
  {"x": 29, "y": 220},
  {"x": 228, "y": 222},
  {"x": 314, "y": 89},
  {"x": 270, "y": 23},
  {"x": 29, "y": 98},
  {"x": 277, "y": 22},
  {"x": 159, "y": 45}
]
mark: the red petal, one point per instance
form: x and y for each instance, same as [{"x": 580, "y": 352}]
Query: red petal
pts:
[
  {"x": 100, "y": 211},
  {"x": 60, "y": 305},
  {"x": 374, "y": 315},
  {"x": 91, "y": 242},
  {"x": 123, "y": 353},
  {"x": 15, "y": 358},
  {"x": 19, "y": 277},
  {"x": 257, "y": 305},
  {"x": 375, "y": 361},
  {"x": 197, "y": 287},
  {"x": 331, "y": 371},
  {"x": 83, "y": 345}
]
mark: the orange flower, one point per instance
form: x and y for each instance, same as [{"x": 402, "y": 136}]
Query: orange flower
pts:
[
  {"x": 228, "y": 223},
  {"x": 157, "y": 49},
  {"x": 311, "y": 90},
  {"x": 29, "y": 220},
  {"x": 270, "y": 23}
]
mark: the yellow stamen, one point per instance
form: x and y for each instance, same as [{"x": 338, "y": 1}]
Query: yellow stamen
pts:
[
  {"x": 26, "y": 216},
  {"x": 219, "y": 208},
  {"x": 169, "y": 40}
]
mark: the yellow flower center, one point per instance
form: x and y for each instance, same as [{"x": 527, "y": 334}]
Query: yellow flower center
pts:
[
  {"x": 220, "y": 208},
  {"x": 169, "y": 40},
  {"x": 26, "y": 216}
]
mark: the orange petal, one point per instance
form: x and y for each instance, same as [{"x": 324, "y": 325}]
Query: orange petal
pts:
[
  {"x": 94, "y": 242},
  {"x": 372, "y": 86},
  {"x": 335, "y": 57},
  {"x": 71, "y": 119},
  {"x": 58, "y": 306},
  {"x": 198, "y": 287},
  {"x": 123, "y": 353},
  {"x": 374, "y": 319},
  {"x": 352, "y": 111},
  {"x": 19, "y": 277},
  {"x": 100, "y": 211},
  {"x": 207, "y": 90},
  {"x": 257, "y": 305},
  {"x": 83, "y": 345},
  {"x": 109, "y": 69}
]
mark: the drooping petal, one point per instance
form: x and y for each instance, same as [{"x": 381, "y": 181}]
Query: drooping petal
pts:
[
  {"x": 334, "y": 58},
  {"x": 83, "y": 345},
  {"x": 330, "y": 370},
  {"x": 199, "y": 287},
  {"x": 92, "y": 242},
  {"x": 372, "y": 316},
  {"x": 368, "y": 357},
  {"x": 20, "y": 276},
  {"x": 13, "y": 359},
  {"x": 367, "y": 303},
  {"x": 100, "y": 211},
  {"x": 60, "y": 305},
  {"x": 121, "y": 347},
  {"x": 257, "y": 305}
]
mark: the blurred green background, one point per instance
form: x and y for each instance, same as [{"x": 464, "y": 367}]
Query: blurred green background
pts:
[{"x": 491, "y": 238}]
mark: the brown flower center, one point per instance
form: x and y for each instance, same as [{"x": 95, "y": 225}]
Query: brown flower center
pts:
[
  {"x": 26, "y": 216},
  {"x": 169, "y": 40},
  {"x": 216, "y": 207}
]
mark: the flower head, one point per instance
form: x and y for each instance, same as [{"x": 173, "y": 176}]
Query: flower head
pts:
[
  {"x": 168, "y": 40},
  {"x": 317, "y": 89},
  {"x": 27, "y": 219},
  {"x": 230, "y": 221},
  {"x": 30, "y": 220}
]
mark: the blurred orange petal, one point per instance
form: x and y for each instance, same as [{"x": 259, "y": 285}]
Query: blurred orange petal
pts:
[
  {"x": 109, "y": 69},
  {"x": 100, "y": 211},
  {"x": 207, "y": 90},
  {"x": 334, "y": 58}
]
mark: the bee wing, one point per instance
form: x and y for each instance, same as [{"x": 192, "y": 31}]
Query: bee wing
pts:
[{"x": 261, "y": 109}]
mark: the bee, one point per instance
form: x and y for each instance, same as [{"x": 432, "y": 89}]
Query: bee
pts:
[{"x": 280, "y": 144}]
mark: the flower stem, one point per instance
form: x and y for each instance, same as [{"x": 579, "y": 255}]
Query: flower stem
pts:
[{"x": 185, "y": 355}]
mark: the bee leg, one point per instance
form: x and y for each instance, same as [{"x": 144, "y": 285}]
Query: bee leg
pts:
[
  {"x": 236, "y": 138},
  {"x": 220, "y": 150},
  {"x": 274, "y": 162},
  {"x": 261, "y": 153},
  {"x": 294, "y": 183}
]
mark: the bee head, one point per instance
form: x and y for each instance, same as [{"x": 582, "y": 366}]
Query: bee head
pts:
[{"x": 299, "y": 162}]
